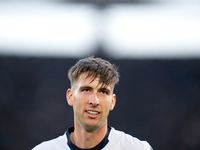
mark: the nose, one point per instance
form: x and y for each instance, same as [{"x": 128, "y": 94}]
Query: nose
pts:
[{"x": 94, "y": 100}]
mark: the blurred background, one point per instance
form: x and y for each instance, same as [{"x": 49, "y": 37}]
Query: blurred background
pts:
[{"x": 155, "y": 44}]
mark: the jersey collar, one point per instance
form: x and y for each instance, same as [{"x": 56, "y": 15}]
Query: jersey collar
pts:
[{"x": 100, "y": 146}]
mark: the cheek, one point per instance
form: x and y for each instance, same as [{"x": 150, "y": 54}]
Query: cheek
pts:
[
  {"x": 108, "y": 104},
  {"x": 78, "y": 100}
]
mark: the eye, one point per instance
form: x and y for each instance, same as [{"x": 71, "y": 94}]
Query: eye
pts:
[
  {"x": 104, "y": 92},
  {"x": 86, "y": 90}
]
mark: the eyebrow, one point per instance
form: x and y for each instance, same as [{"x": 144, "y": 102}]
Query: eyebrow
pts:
[
  {"x": 105, "y": 89},
  {"x": 89, "y": 87},
  {"x": 85, "y": 87}
]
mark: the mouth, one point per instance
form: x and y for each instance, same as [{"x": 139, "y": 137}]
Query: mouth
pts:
[{"x": 92, "y": 112}]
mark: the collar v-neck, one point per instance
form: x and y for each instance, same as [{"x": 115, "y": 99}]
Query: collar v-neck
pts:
[{"x": 100, "y": 146}]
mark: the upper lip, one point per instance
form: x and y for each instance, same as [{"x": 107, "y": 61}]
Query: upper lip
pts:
[{"x": 92, "y": 110}]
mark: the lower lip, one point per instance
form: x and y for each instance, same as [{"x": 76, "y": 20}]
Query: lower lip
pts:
[{"x": 92, "y": 116}]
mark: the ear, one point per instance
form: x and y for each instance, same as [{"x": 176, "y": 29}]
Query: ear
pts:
[
  {"x": 113, "y": 102},
  {"x": 69, "y": 94}
]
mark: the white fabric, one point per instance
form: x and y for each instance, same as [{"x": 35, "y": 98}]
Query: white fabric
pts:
[{"x": 118, "y": 140}]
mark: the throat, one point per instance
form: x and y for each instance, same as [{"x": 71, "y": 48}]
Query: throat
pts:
[{"x": 85, "y": 140}]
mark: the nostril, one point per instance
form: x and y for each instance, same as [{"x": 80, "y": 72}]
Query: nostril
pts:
[{"x": 94, "y": 102}]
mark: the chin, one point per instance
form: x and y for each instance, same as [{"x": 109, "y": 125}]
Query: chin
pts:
[{"x": 91, "y": 127}]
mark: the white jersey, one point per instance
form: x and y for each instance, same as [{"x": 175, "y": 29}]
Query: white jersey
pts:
[{"x": 114, "y": 140}]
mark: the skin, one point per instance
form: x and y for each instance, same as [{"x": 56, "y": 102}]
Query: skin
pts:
[{"x": 91, "y": 104}]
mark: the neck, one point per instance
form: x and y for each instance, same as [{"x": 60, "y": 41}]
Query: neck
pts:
[{"x": 84, "y": 139}]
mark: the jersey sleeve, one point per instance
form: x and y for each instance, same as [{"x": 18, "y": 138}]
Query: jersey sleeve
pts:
[
  {"x": 119, "y": 140},
  {"x": 54, "y": 144}
]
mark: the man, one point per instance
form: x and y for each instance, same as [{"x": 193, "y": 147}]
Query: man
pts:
[{"x": 91, "y": 96}]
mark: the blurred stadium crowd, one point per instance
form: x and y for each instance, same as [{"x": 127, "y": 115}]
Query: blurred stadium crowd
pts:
[{"x": 158, "y": 96}]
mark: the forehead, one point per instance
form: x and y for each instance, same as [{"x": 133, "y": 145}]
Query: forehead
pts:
[{"x": 85, "y": 80}]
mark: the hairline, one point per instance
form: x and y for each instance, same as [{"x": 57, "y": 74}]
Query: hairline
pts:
[{"x": 74, "y": 83}]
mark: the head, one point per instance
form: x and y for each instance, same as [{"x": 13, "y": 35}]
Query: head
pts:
[
  {"x": 91, "y": 93},
  {"x": 94, "y": 67}
]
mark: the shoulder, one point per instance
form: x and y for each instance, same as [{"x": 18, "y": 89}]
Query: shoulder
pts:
[
  {"x": 121, "y": 140},
  {"x": 57, "y": 143}
]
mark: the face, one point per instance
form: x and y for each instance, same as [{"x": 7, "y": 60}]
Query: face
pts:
[{"x": 91, "y": 102}]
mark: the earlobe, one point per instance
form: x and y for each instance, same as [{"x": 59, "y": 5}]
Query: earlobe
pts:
[
  {"x": 113, "y": 102},
  {"x": 69, "y": 97}
]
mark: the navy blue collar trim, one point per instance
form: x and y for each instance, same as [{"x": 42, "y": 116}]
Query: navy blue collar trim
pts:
[{"x": 100, "y": 146}]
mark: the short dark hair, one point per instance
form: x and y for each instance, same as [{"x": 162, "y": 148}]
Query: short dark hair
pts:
[{"x": 95, "y": 67}]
